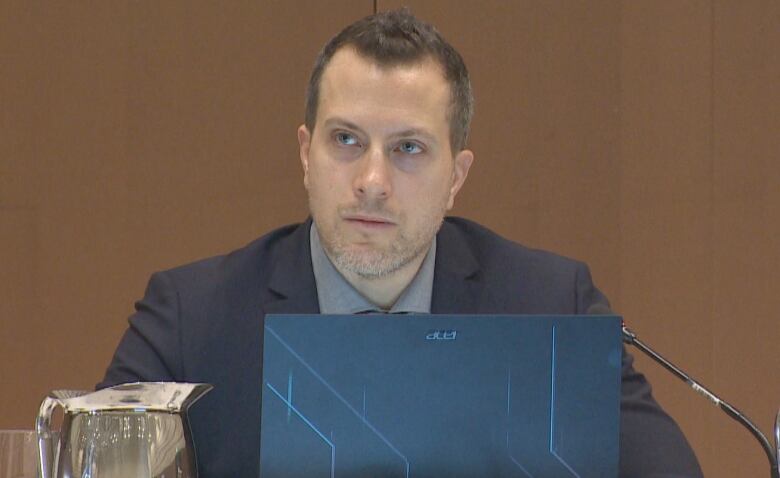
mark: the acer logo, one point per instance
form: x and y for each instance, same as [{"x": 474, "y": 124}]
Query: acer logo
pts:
[{"x": 441, "y": 335}]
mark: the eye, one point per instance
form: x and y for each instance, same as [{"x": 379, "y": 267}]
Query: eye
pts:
[
  {"x": 346, "y": 139},
  {"x": 410, "y": 147}
]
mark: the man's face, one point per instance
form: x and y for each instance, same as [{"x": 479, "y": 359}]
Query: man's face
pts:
[{"x": 378, "y": 168}]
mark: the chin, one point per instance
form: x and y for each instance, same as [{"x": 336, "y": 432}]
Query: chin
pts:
[{"x": 369, "y": 263}]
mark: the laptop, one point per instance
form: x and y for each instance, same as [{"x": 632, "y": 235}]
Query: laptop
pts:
[{"x": 401, "y": 396}]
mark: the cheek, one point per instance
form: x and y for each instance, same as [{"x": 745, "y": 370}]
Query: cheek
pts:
[
  {"x": 323, "y": 187},
  {"x": 439, "y": 185},
  {"x": 424, "y": 199},
  {"x": 318, "y": 173}
]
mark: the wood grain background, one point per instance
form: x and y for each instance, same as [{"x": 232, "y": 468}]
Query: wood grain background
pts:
[{"x": 639, "y": 136}]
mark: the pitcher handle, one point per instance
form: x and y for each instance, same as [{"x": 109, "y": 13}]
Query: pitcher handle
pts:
[{"x": 46, "y": 456}]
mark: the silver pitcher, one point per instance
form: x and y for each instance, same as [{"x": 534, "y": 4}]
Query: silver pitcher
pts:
[{"x": 134, "y": 430}]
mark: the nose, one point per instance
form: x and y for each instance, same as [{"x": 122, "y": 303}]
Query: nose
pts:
[{"x": 372, "y": 180}]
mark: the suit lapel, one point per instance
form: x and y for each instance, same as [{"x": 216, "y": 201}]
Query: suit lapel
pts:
[
  {"x": 291, "y": 287},
  {"x": 456, "y": 279}
]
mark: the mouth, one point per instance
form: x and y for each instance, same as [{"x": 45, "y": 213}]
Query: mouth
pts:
[{"x": 368, "y": 221}]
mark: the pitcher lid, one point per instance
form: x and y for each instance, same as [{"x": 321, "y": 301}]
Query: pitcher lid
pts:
[{"x": 169, "y": 397}]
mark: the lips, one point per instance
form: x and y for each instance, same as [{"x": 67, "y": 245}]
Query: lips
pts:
[
  {"x": 368, "y": 221},
  {"x": 361, "y": 218}
]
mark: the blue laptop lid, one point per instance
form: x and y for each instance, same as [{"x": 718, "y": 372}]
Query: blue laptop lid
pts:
[{"x": 440, "y": 396}]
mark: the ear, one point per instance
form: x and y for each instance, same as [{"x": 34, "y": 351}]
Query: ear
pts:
[
  {"x": 304, "y": 145},
  {"x": 462, "y": 164}
]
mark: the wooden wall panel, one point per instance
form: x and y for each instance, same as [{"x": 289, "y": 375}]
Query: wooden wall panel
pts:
[
  {"x": 20, "y": 359},
  {"x": 62, "y": 98},
  {"x": 746, "y": 220},
  {"x": 136, "y": 136},
  {"x": 665, "y": 184}
]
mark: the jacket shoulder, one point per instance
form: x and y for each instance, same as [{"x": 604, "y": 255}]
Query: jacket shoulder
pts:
[
  {"x": 494, "y": 251},
  {"x": 253, "y": 261},
  {"x": 518, "y": 279}
]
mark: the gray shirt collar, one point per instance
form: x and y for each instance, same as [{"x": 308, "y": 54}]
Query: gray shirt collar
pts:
[{"x": 337, "y": 296}]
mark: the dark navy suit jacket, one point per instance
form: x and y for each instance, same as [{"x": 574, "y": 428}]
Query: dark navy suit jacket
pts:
[{"x": 202, "y": 323}]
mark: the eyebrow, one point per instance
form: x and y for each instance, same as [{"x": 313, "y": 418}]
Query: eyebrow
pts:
[
  {"x": 344, "y": 124},
  {"x": 415, "y": 132},
  {"x": 401, "y": 134}
]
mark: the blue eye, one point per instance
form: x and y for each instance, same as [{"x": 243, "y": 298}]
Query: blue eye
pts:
[
  {"x": 409, "y": 147},
  {"x": 346, "y": 139}
]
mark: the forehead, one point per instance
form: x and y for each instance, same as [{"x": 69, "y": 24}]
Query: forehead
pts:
[{"x": 359, "y": 88}]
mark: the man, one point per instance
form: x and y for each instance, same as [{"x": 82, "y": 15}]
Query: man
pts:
[{"x": 383, "y": 153}]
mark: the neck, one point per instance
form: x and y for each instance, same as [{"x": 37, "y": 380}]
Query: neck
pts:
[{"x": 384, "y": 291}]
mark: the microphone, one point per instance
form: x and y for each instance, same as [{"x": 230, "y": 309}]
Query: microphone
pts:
[{"x": 631, "y": 338}]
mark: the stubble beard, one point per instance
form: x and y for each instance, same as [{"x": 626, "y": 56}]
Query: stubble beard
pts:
[{"x": 380, "y": 261}]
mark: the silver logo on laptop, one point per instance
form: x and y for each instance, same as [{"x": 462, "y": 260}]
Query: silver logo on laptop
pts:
[{"x": 441, "y": 335}]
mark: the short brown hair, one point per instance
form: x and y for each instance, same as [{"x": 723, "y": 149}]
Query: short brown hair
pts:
[{"x": 395, "y": 38}]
